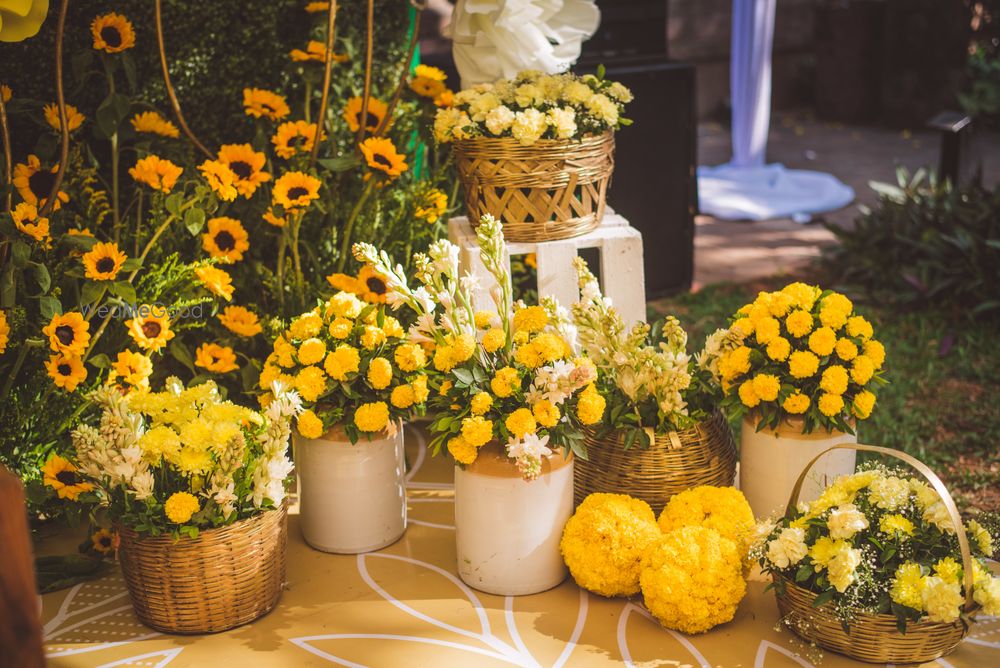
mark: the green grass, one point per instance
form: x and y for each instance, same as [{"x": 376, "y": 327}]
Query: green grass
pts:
[{"x": 943, "y": 401}]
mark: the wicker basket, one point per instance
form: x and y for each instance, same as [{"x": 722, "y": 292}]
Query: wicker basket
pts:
[
  {"x": 221, "y": 579},
  {"x": 702, "y": 455},
  {"x": 872, "y": 637},
  {"x": 553, "y": 189}
]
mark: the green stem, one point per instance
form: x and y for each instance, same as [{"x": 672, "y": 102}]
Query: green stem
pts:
[
  {"x": 345, "y": 245},
  {"x": 21, "y": 355},
  {"x": 297, "y": 261},
  {"x": 159, "y": 231},
  {"x": 306, "y": 113},
  {"x": 115, "y": 213},
  {"x": 280, "y": 269}
]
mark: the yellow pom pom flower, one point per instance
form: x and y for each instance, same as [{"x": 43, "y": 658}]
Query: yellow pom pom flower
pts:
[
  {"x": 766, "y": 386},
  {"x": 822, "y": 341},
  {"x": 477, "y": 431},
  {"x": 180, "y": 507},
  {"x": 590, "y": 407},
  {"x": 724, "y": 509},
  {"x": 859, "y": 327},
  {"x": 862, "y": 369},
  {"x": 494, "y": 339},
  {"x": 463, "y": 451},
  {"x": 748, "y": 395},
  {"x": 504, "y": 382},
  {"x": 767, "y": 330},
  {"x": 779, "y": 348},
  {"x": 402, "y": 396},
  {"x": 521, "y": 422},
  {"x": 546, "y": 413},
  {"x": 481, "y": 403},
  {"x": 875, "y": 351},
  {"x": 380, "y": 373},
  {"x": 410, "y": 357},
  {"x": 834, "y": 380},
  {"x": 802, "y": 364},
  {"x": 830, "y": 404},
  {"x": 372, "y": 417},
  {"x": 312, "y": 351},
  {"x": 846, "y": 350},
  {"x": 796, "y": 403},
  {"x": 309, "y": 425},
  {"x": 799, "y": 323},
  {"x": 530, "y": 319},
  {"x": 864, "y": 402}
]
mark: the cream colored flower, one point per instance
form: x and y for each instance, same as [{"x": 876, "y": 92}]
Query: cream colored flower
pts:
[
  {"x": 528, "y": 127},
  {"x": 889, "y": 493},
  {"x": 563, "y": 121},
  {"x": 788, "y": 548},
  {"x": 845, "y": 521},
  {"x": 841, "y": 569},
  {"x": 499, "y": 120},
  {"x": 942, "y": 600}
]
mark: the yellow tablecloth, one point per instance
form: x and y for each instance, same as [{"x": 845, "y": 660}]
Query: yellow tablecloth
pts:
[{"x": 405, "y": 606}]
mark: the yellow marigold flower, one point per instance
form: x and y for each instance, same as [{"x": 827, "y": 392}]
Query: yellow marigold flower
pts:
[
  {"x": 431, "y": 206},
  {"x": 779, "y": 348},
  {"x": 463, "y": 451},
  {"x": 180, "y": 507},
  {"x": 410, "y": 357},
  {"x": 246, "y": 165},
  {"x": 344, "y": 305},
  {"x": 420, "y": 392},
  {"x": 846, "y": 350},
  {"x": 477, "y": 431},
  {"x": 342, "y": 361},
  {"x": 309, "y": 425},
  {"x": 103, "y": 262},
  {"x": 483, "y": 319},
  {"x": 307, "y": 325},
  {"x": 766, "y": 386},
  {"x": 295, "y": 190},
  {"x": 4, "y": 331},
  {"x": 875, "y": 351},
  {"x": 767, "y": 330},
  {"x": 603, "y": 543},
  {"x": 505, "y": 381},
  {"x": 402, "y": 396},
  {"x": 68, "y": 333},
  {"x": 531, "y": 319},
  {"x": 380, "y": 373},
  {"x": 112, "y": 33},
  {"x": 133, "y": 368},
  {"x": 372, "y": 337},
  {"x": 381, "y": 154},
  {"x": 34, "y": 183},
  {"x": 743, "y": 326},
  {"x": 73, "y": 117},
  {"x": 443, "y": 360},
  {"x": 907, "y": 586},
  {"x": 862, "y": 369},
  {"x": 546, "y": 413},
  {"x": 830, "y": 404},
  {"x": 341, "y": 328},
  {"x": 832, "y": 317},
  {"x": 27, "y": 220},
  {"x": 803, "y": 295},
  {"x": 747, "y": 394},
  {"x": 374, "y": 115},
  {"x": 462, "y": 347},
  {"x": 61, "y": 475},
  {"x": 834, "y": 380},
  {"x": 160, "y": 442},
  {"x": 372, "y": 417},
  {"x": 734, "y": 363},
  {"x": 494, "y": 339},
  {"x": 864, "y": 402},
  {"x": 802, "y": 364},
  {"x": 215, "y": 358},
  {"x": 151, "y": 122},
  {"x": 895, "y": 525},
  {"x": 258, "y": 102},
  {"x": 481, "y": 403},
  {"x": 445, "y": 387},
  {"x": 724, "y": 509},
  {"x": 780, "y": 303},
  {"x": 796, "y": 403},
  {"x": 859, "y": 327},
  {"x": 822, "y": 341},
  {"x": 981, "y": 536},
  {"x": 156, "y": 172},
  {"x": 226, "y": 239},
  {"x": 241, "y": 321},
  {"x": 66, "y": 371},
  {"x": 310, "y": 382},
  {"x": 521, "y": 422},
  {"x": 312, "y": 351},
  {"x": 215, "y": 280},
  {"x": 590, "y": 406},
  {"x": 799, "y": 323},
  {"x": 284, "y": 351}
]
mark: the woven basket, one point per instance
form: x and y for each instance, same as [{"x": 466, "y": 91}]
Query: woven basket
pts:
[
  {"x": 553, "y": 189},
  {"x": 872, "y": 637},
  {"x": 705, "y": 454},
  {"x": 221, "y": 579}
]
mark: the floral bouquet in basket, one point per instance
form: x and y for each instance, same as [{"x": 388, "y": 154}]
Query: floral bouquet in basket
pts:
[
  {"x": 800, "y": 352},
  {"x": 508, "y": 374},
  {"x": 352, "y": 366},
  {"x": 535, "y": 106},
  {"x": 179, "y": 460}
]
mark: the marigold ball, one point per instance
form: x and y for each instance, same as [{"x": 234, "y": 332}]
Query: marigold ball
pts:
[
  {"x": 692, "y": 579},
  {"x": 604, "y": 541},
  {"x": 372, "y": 417},
  {"x": 180, "y": 507},
  {"x": 724, "y": 509},
  {"x": 309, "y": 425}
]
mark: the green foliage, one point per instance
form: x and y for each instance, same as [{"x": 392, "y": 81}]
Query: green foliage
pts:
[
  {"x": 926, "y": 241},
  {"x": 982, "y": 98}
]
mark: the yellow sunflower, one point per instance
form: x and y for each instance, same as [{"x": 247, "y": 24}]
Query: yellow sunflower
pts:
[
  {"x": 377, "y": 110},
  {"x": 240, "y": 321},
  {"x": 73, "y": 117},
  {"x": 216, "y": 281},
  {"x": 431, "y": 206},
  {"x": 26, "y": 219},
  {"x": 246, "y": 164},
  {"x": 68, "y": 333},
  {"x": 258, "y": 102},
  {"x": 112, "y": 33},
  {"x": 103, "y": 541},
  {"x": 66, "y": 371},
  {"x": 215, "y": 358},
  {"x": 316, "y": 51},
  {"x": 61, "y": 475},
  {"x": 344, "y": 283},
  {"x": 295, "y": 190},
  {"x": 156, "y": 172},
  {"x": 150, "y": 328},
  {"x": 4, "y": 331},
  {"x": 151, "y": 122},
  {"x": 315, "y": 7},
  {"x": 5, "y": 93},
  {"x": 34, "y": 183},
  {"x": 133, "y": 368},
  {"x": 294, "y": 137},
  {"x": 271, "y": 219},
  {"x": 372, "y": 285},
  {"x": 103, "y": 262},
  {"x": 380, "y": 154},
  {"x": 225, "y": 239},
  {"x": 221, "y": 179},
  {"x": 445, "y": 98},
  {"x": 428, "y": 81}
]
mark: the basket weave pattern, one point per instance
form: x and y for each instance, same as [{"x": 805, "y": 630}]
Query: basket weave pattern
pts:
[
  {"x": 705, "y": 454},
  {"x": 553, "y": 189},
  {"x": 223, "y": 578}
]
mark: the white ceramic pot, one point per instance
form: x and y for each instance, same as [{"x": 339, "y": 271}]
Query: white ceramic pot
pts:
[
  {"x": 771, "y": 461},
  {"x": 507, "y": 529},
  {"x": 352, "y": 497}
]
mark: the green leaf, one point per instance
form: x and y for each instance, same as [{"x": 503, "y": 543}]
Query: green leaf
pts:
[
  {"x": 129, "y": 66},
  {"x": 100, "y": 361},
  {"x": 181, "y": 353},
  {"x": 79, "y": 241},
  {"x": 20, "y": 253},
  {"x": 131, "y": 264},
  {"x": 91, "y": 293},
  {"x": 125, "y": 290},
  {"x": 825, "y": 597},
  {"x": 8, "y": 287},
  {"x": 340, "y": 164},
  {"x": 49, "y": 306},
  {"x": 111, "y": 113},
  {"x": 173, "y": 203},
  {"x": 464, "y": 376},
  {"x": 41, "y": 273},
  {"x": 80, "y": 63},
  {"x": 805, "y": 570},
  {"x": 194, "y": 220}
]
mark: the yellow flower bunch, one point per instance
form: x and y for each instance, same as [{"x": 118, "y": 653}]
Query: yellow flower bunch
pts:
[
  {"x": 800, "y": 352},
  {"x": 351, "y": 364},
  {"x": 723, "y": 509}
]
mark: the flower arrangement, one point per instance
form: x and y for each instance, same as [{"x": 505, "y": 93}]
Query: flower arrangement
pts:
[
  {"x": 507, "y": 375},
  {"x": 351, "y": 365},
  {"x": 535, "y": 106},
  {"x": 801, "y": 353},
  {"x": 179, "y": 460},
  {"x": 878, "y": 541}
]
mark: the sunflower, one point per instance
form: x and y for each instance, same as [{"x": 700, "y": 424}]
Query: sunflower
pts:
[
  {"x": 432, "y": 206},
  {"x": 133, "y": 368},
  {"x": 221, "y": 179},
  {"x": 68, "y": 333},
  {"x": 216, "y": 281},
  {"x": 295, "y": 190},
  {"x": 372, "y": 284},
  {"x": 315, "y": 7},
  {"x": 428, "y": 81},
  {"x": 35, "y": 183},
  {"x": 4, "y": 331},
  {"x": 377, "y": 110},
  {"x": 150, "y": 328},
  {"x": 103, "y": 262},
  {"x": 258, "y": 102},
  {"x": 5, "y": 93},
  {"x": 294, "y": 137},
  {"x": 226, "y": 239},
  {"x": 112, "y": 33},
  {"x": 73, "y": 117},
  {"x": 344, "y": 283},
  {"x": 66, "y": 371},
  {"x": 156, "y": 172},
  {"x": 26, "y": 219},
  {"x": 271, "y": 219},
  {"x": 246, "y": 164},
  {"x": 445, "y": 98},
  {"x": 316, "y": 51},
  {"x": 103, "y": 541},
  {"x": 151, "y": 122},
  {"x": 381, "y": 154},
  {"x": 240, "y": 321},
  {"x": 60, "y": 474},
  {"x": 215, "y": 358}
]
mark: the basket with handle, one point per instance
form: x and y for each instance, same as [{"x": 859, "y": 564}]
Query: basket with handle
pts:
[{"x": 875, "y": 637}]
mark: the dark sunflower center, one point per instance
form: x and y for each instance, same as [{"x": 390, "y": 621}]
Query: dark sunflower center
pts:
[
  {"x": 151, "y": 329},
  {"x": 297, "y": 140},
  {"x": 297, "y": 192},
  {"x": 64, "y": 370},
  {"x": 371, "y": 122},
  {"x": 266, "y": 107},
  {"x": 66, "y": 477},
  {"x": 382, "y": 160},
  {"x": 225, "y": 241},
  {"x": 105, "y": 541},
  {"x": 241, "y": 169},
  {"x": 105, "y": 265},
  {"x": 376, "y": 285},
  {"x": 111, "y": 36},
  {"x": 41, "y": 183},
  {"x": 65, "y": 334}
]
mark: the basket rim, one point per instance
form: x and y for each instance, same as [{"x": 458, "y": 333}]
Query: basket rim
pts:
[
  {"x": 207, "y": 534},
  {"x": 614, "y": 434},
  {"x": 588, "y": 140}
]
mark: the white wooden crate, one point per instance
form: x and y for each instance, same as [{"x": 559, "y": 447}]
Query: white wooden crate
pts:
[{"x": 620, "y": 247}]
